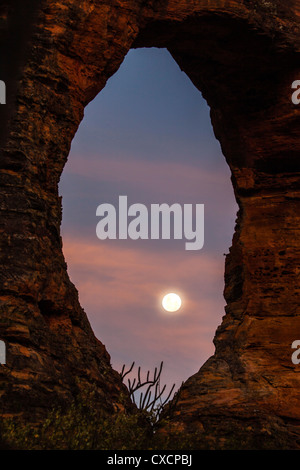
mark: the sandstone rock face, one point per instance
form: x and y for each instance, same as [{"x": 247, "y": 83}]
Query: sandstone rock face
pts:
[{"x": 243, "y": 56}]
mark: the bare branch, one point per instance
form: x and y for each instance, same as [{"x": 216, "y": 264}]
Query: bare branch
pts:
[
  {"x": 123, "y": 375},
  {"x": 147, "y": 401}
]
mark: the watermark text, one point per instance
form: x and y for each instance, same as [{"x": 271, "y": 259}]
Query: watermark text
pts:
[
  {"x": 2, "y": 92},
  {"x": 296, "y": 354},
  {"x": 162, "y": 222},
  {"x": 296, "y": 94},
  {"x": 2, "y": 352}
]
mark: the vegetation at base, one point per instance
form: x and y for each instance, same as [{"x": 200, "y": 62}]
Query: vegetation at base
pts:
[{"x": 83, "y": 427}]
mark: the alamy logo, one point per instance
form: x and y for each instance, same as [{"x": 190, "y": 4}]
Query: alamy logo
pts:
[
  {"x": 295, "y": 356},
  {"x": 296, "y": 94},
  {"x": 158, "y": 224},
  {"x": 2, "y": 92},
  {"x": 2, "y": 352}
]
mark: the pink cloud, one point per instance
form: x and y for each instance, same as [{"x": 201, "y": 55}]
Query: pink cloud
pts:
[
  {"x": 181, "y": 179},
  {"x": 121, "y": 289}
]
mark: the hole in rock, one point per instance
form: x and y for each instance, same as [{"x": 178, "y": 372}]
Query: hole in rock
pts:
[{"x": 148, "y": 136}]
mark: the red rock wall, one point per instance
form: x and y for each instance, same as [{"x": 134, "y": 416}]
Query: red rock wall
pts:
[{"x": 243, "y": 57}]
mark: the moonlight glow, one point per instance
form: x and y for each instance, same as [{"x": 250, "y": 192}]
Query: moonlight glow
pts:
[{"x": 171, "y": 302}]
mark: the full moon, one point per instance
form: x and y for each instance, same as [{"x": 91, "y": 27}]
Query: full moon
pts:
[{"x": 171, "y": 302}]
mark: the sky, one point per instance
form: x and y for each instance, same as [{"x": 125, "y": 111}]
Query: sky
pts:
[{"x": 148, "y": 135}]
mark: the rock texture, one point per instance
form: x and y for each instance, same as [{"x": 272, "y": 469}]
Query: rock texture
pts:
[{"x": 243, "y": 56}]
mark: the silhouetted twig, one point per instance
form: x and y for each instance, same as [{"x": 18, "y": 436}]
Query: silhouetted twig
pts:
[{"x": 151, "y": 398}]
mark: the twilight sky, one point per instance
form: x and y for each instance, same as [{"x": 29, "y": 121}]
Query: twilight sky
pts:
[{"x": 148, "y": 136}]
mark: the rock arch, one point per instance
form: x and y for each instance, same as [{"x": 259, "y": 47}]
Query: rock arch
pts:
[{"x": 243, "y": 56}]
